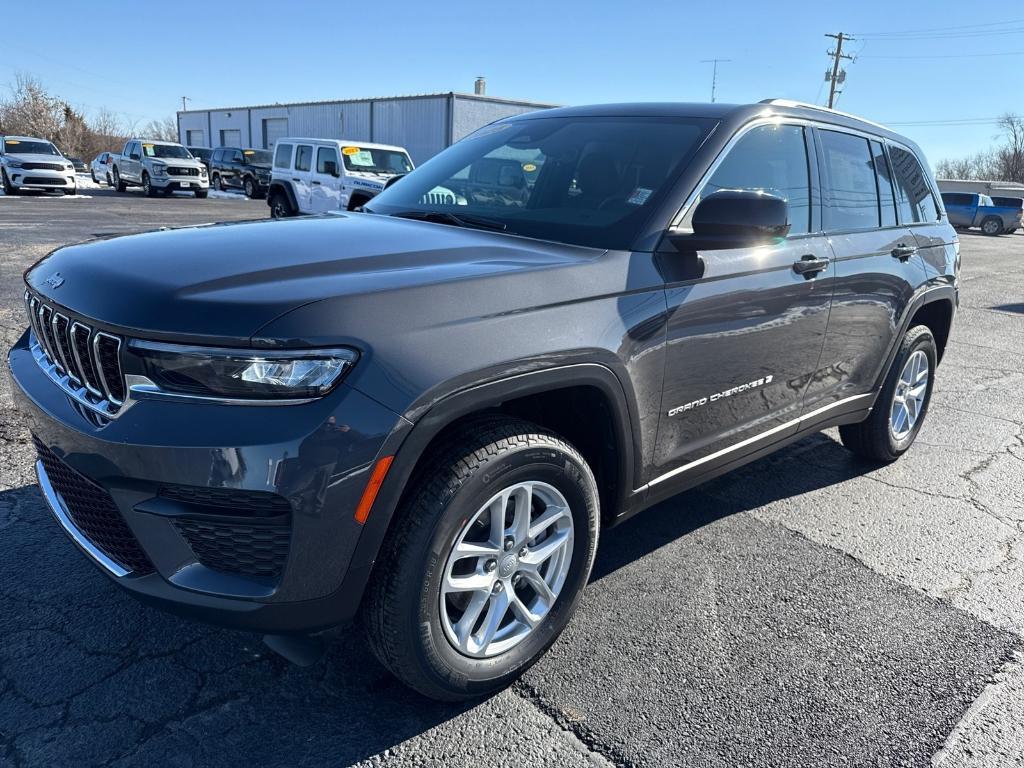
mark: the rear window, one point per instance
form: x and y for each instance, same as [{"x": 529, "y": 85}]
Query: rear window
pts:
[
  {"x": 303, "y": 158},
  {"x": 283, "y": 156},
  {"x": 851, "y": 201},
  {"x": 913, "y": 193}
]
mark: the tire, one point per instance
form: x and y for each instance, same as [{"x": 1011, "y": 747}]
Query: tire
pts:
[
  {"x": 201, "y": 194},
  {"x": 406, "y": 618},
  {"x": 109, "y": 182},
  {"x": 121, "y": 186},
  {"x": 249, "y": 187},
  {"x": 73, "y": 191},
  {"x": 147, "y": 188},
  {"x": 992, "y": 226},
  {"x": 217, "y": 183},
  {"x": 92, "y": 173},
  {"x": 876, "y": 437},
  {"x": 280, "y": 208}
]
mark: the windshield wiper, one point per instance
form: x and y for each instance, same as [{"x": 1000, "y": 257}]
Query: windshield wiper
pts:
[{"x": 460, "y": 220}]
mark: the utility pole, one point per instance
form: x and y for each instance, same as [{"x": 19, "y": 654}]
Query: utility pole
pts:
[
  {"x": 184, "y": 107},
  {"x": 837, "y": 75},
  {"x": 714, "y": 73}
]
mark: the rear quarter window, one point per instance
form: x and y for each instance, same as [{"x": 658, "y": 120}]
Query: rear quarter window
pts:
[{"x": 913, "y": 192}]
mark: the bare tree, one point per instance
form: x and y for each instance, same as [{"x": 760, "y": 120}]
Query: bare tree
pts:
[
  {"x": 1011, "y": 155},
  {"x": 161, "y": 130}
]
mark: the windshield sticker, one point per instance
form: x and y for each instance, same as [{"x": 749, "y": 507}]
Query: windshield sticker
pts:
[
  {"x": 349, "y": 150},
  {"x": 361, "y": 157},
  {"x": 11, "y": 142},
  {"x": 639, "y": 196}
]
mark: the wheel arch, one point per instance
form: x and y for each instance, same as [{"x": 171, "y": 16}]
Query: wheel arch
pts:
[
  {"x": 286, "y": 189},
  {"x": 933, "y": 307},
  {"x": 533, "y": 396},
  {"x": 358, "y": 198}
]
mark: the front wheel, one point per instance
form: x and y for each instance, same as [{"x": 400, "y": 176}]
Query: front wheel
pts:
[
  {"x": 92, "y": 173},
  {"x": 202, "y": 194},
  {"x": 120, "y": 185},
  {"x": 992, "y": 226},
  {"x": 9, "y": 189},
  {"x": 485, "y": 562},
  {"x": 902, "y": 404},
  {"x": 249, "y": 187}
]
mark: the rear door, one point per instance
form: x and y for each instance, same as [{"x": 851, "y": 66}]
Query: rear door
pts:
[
  {"x": 877, "y": 265},
  {"x": 233, "y": 167},
  {"x": 302, "y": 176},
  {"x": 919, "y": 210},
  {"x": 745, "y": 335},
  {"x": 325, "y": 180}
]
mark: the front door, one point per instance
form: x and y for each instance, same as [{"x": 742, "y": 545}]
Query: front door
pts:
[
  {"x": 325, "y": 181},
  {"x": 744, "y": 337}
]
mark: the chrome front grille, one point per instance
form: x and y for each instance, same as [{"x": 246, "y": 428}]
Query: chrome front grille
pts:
[
  {"x": 84, "y": 362},
  {"x": 175, "y": 171}
]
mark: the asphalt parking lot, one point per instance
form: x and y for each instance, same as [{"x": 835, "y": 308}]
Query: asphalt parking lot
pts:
[{"x": 806, "y": 610}]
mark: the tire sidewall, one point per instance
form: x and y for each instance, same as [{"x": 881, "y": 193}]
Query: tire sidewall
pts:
[
  {"x": 923, "y": 340},
  {"x": 541, "y": 463}
]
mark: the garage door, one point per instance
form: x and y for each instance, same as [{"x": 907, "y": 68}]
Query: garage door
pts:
[
  {"x": 231, "y": 138},
  {"x": 274, "y": 128}
]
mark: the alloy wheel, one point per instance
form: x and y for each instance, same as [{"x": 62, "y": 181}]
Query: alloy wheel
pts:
[
  {"x": 506, "y": 568},
  {"x": 908, "y": 399}
]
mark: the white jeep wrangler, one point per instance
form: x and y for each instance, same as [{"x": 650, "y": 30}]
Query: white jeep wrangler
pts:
[{"x": 321, "y": 175}]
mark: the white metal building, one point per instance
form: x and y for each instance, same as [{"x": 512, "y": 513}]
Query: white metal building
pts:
[
  {"x": 990, "y": 188},
  {"x": 424, "y": 125}
]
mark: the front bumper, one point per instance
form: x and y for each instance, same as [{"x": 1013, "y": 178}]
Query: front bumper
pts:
[
  {"x": 21, "y": 178},
  {"x": 180, "y": 183},
  {"x": 163, "y": 470}
]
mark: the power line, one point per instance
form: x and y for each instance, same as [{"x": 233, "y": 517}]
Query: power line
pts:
[
  {"x": 947, "y": 55},
  {"x": 967, "y": 35},
  {"x": 894, "y": 33}
]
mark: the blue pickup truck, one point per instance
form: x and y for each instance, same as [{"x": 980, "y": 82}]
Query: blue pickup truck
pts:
[{"x": 968, "y": 210}]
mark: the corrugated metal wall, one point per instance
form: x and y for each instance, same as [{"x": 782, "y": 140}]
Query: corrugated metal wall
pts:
[{"x": 423, "y": 125}]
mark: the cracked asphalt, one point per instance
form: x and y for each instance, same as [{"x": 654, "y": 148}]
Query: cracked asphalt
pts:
[{"x": 808, "y": 609}]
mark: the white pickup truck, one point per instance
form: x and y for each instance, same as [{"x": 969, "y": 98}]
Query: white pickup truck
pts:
[{"x": 159, "y": 167}]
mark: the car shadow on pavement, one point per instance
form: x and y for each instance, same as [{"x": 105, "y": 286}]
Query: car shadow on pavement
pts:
[
  {"x": 1018, "y": 308},
  {"x": 780, "y": 475}
]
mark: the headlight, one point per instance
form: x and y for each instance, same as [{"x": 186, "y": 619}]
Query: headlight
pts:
[
  {"x": 202, "y": 170},
  {"x": 159, "y": 169},
  {"x": 242, "y": 373},
  {"x": 69, "y": 167},
  {"x": 14, "y": 163}
]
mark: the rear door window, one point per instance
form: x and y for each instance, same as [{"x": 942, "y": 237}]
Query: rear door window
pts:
[
  {"x": 913, "y": 193},
  {"x": 851, "y": 192},
  {"x": 303, "y": 157},
  {"x": 283, "y": 156},
  {"x": 772, "y": 159}
]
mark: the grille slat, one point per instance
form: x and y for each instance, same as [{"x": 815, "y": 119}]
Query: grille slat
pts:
[
  {"x": 250, "y": 550},
  {"x": 94, "y": 513},
  {"x": 89, "y": 359},
  {"x": 42, "y": 167}
]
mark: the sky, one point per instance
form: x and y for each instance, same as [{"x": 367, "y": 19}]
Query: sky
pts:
[{"x": 934, "y": 70}]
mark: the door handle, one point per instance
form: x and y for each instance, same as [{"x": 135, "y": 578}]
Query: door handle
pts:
[
  {"x": 317, "y": 183},
  {"x": 903, "y": 252},
  {"x": 294, "y": 179},
  {"x": 810, "y": 265}
]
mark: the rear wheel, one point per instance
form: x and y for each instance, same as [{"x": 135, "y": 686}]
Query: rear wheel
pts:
[
  {"x": 486, "y": 560},
  {"x": 902, "y": 404},
  {"x": 992, "y": 226}
]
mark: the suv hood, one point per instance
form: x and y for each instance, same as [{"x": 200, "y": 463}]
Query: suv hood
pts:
[
  {"x": 32, "y": 158},
  {"x": 222, "y": 283}
]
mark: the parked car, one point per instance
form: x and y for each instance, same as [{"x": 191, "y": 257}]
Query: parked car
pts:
[
  {"x": 77, "y": 163},
  {"x": 319, "y": 175},
  {"x": 28, "y": 163},
  {"x": 202, "y": 154},
  {"x": 159, "y": 167},
  {"x": 99, "y": 169},
  {"x": 241, "y": 168},
  {"x": 424, "y": 414},
  {"x": 969, "y": 210},
  {"x": 1009, "y": 202}
]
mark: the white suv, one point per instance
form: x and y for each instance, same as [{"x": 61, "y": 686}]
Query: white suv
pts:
[
  {"x": 30, "y": 163},
  {"x": 321, "y": 175}
]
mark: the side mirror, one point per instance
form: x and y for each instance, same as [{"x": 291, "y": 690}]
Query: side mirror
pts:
[
  {"x": 331, "y": 168},
  {"x": 735, "y": 218}
]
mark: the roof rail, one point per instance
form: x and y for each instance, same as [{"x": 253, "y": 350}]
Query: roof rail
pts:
[{"x": 818, "y": 107}]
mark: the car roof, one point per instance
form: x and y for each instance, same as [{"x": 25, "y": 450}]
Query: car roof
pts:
[
  {"x": 733, "y": 113},
  {"x": 343, "y": 143}
]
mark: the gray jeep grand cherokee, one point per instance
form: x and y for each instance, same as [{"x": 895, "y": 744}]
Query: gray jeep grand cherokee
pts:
[{"x": 423, "y": 414}]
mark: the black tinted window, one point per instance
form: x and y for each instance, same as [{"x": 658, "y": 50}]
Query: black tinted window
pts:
[
  {"x": 851, "y": 199},
  {"x": 913, "y": 193},
  {"x": 326, "y": 155},
  {"x": 216, "y": 155},
  {"x": 283, "y": 156},
  {"x": 303, "y": 158},
  {"x": 1009, "y": 202},
  {"x": 772, "y": 159},
  {"x": 884, "y": 180}
]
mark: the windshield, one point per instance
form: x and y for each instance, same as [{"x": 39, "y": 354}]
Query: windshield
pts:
[
  {"x": 584, "y": 180},
  {"x": 256, "y": 156},
  {"x": 166, "y": 150},
  {"x": 368, "y": 160},
  {"x": 200, "y": 152},
  {"x": 23, "y": 147}
]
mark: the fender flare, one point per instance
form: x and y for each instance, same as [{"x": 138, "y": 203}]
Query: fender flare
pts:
[
  {"x": 286, "y": 187},
  {"x": 928, "y": 296},
  {"x": 409, "y": 440}
]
